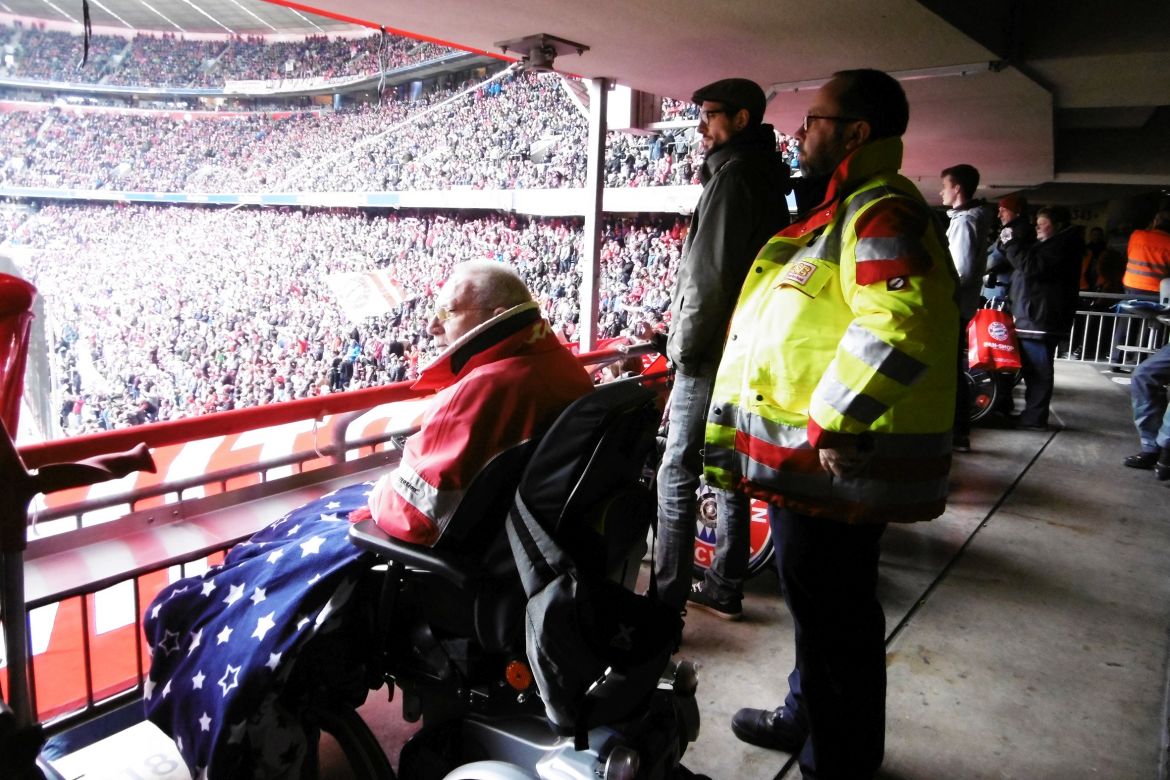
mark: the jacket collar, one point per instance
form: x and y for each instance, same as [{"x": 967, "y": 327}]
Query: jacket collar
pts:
[
  {"x": 500, "y": 337},
  {"x": 862, "y": 164},
  {"x": 761, "y": 137},
  {"x": 970, "y": 205}
]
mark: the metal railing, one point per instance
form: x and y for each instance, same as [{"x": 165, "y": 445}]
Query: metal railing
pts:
[{"x": 1103, "y": 334}]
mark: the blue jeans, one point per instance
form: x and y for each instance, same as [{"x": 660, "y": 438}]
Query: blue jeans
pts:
[
  {"x": 1036, "y": 358},
  {"x": 837, "y": 692},
  {"x": 678, "y": 485},
  {"x": 1151, "y": 410}
]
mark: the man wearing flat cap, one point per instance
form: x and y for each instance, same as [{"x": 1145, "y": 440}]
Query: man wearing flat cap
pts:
[{"x": 743, "y": 204}]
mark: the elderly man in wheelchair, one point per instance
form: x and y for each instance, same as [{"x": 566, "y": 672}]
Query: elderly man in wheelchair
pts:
[{"x": 493, "y": 609}]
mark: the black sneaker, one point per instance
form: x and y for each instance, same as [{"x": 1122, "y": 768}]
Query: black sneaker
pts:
[
  {"x": 726, "y": 610},
  {"x": 768, "y": 729}
]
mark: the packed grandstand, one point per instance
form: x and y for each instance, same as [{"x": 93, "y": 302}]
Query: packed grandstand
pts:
[{"x": 157, "y": 312}]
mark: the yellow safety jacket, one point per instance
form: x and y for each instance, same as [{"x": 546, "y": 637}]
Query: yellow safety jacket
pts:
[{"x": 846, "y": 330}]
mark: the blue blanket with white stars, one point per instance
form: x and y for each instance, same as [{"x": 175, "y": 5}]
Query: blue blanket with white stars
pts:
[{"x": 224, "y": 643}]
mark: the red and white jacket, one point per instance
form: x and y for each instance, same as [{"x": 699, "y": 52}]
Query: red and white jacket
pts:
[{"x": 498, "y": 385}]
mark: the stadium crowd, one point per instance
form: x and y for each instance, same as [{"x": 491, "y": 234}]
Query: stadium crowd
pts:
[
  {"x": 519, "y": 131},
  {"x": 170, "y": 60},
  {"x": 191, "y": 310}
]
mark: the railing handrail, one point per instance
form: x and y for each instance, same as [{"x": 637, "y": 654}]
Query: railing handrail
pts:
[
  {"x": 240, "y": 420},
  {"x": 179, "y": 486},
  {"x": 1120, "y": 296}
]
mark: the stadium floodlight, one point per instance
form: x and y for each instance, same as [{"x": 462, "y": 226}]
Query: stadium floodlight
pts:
[{"x": 538, "y": 52}]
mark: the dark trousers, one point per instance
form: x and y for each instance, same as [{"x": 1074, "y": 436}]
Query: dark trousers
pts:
[
  {"x": 1037, "y": 356},
  {"x": 962, "y": 424},
  {"x": 828, "y": 572}
]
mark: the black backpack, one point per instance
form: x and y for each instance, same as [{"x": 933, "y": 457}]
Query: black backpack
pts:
[{"x": 596, "y": 649}]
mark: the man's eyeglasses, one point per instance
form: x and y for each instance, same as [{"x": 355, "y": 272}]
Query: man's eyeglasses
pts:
[
  {"x": 706, "y": 114},
  {"x": 443, "y": 313},
  {"x": 810, "y": 118}
]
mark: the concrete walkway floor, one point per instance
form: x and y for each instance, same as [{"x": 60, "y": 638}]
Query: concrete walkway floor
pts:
[{"x": 1028, "y": 628}]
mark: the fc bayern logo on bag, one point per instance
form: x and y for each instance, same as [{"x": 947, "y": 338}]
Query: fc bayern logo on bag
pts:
[{"x": 998, "y": 331}]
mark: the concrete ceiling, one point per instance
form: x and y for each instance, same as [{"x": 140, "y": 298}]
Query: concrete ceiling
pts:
[{"x": 1060, "y": 92}]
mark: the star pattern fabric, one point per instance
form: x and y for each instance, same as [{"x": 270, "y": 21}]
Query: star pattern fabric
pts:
[{"x": 228, "y": 640}]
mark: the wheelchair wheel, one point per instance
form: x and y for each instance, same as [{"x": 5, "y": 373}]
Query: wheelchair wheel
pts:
[
  {"x": 706, "y": 517},
  {"x": 983, "y": 390},
  {"x": 363, "y": 753}
]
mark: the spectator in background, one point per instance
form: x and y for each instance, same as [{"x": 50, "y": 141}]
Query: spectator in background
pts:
[
  {"x": 967, "y": 237},
  {"x": 1101, "y": 271},
  {"x": 1014, "y": 223},
  {"x": 1148, "y": 257},
  {"x": 1013, "y": 214},
  {"x": 1044, "y": 294},
  {"x": 743, "y": 203},
  {"x": 230, "y": 333},
  {"x": 1151, "y": 414}
]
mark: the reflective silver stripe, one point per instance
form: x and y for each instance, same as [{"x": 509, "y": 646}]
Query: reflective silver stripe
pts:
[
  {"x": 759, "y": 427},
  {"x": 721, "y": 457},
  {"x": 877, "y": 354},
  {"x": 871, "y": 492},
  {"x": 861, "y": 407},
  {"x": 439, "y": 505},
  {"x": 820, "y": 249},
  {"x": 885, "y": 445},
  {"x": 863, "y": 199},
  {"x": 765, "y": 476},
  {"x": 827, "y": 245},
  {"x": 886, "y": 248}
]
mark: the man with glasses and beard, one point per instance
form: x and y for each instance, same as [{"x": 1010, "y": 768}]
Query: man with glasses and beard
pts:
[{"x": 834, "y": 402}]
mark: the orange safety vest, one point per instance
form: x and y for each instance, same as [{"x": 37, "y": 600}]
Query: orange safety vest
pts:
[{"x": 1148, "y": 260}]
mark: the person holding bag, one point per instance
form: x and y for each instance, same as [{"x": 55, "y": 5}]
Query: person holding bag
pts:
[
  {"x": 991, "y": 341},
  {"x": 1044, "y": 294}
]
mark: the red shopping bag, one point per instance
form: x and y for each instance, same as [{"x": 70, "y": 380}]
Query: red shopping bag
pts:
[{"x": 991, "y": 341}]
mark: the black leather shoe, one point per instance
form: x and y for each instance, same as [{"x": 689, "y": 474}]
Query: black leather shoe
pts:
[
  {"x": 1143, "y": 460},
  {"x": 1162, "y": 468},
  {"x": 1029, "y": 427},
  {"x": 768, "y": 729}
]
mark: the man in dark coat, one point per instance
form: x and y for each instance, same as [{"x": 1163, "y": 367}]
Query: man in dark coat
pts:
[
  {"x": 1045, "y": 289},
  {"x": 743, "y": 204}
]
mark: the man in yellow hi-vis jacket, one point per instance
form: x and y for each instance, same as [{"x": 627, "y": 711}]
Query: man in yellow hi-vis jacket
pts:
[{"x": 834, "y": 402}]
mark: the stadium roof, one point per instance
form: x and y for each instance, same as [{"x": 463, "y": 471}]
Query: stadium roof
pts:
[
  {"x": 1071, "y": 93},
  {"x": 243, "y": 17}
]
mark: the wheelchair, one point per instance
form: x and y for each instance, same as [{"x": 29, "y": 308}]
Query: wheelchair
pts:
[{"x": 454, "y": 626}]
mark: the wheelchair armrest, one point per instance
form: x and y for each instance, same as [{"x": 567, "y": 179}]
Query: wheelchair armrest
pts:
[{"x": 367, "y": 535}]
